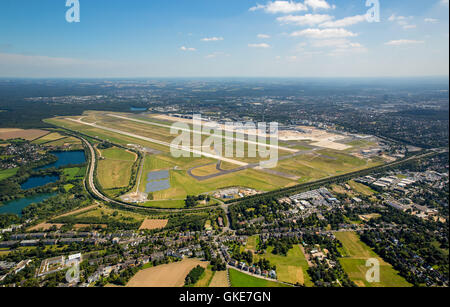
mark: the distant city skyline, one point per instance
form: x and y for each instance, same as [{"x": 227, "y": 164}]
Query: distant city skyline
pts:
[{"x": 223, "y": 38}]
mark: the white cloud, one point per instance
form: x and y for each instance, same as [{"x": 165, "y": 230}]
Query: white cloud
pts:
[
  {"x": 318, "y": 4},
  {"x": 345, "y": 22},
  {"x": 406, "y": 27},
  {"x": 212, "y": 39},
  {"x": 431, "y": 20},
  {"x": 402, "y": 42},
  {"x": 340, "y": 46},
  {"x": 263, "y": 36},
  {"x": 184, "y": 48},
  {"x": 285, "y": 7},
  {"x": 42, "y": 61},
  {"x": 444, "y": 2},
  {"x": 402, "y": 21},
  {"x": 308, "y": 19},
  {"x": 216, "y": 54},
  {"x": 263, "y": 45},
  {"x": 324, "y": 33}
]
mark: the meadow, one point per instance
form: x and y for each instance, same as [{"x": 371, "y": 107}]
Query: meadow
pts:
[
  {"x": 166, "y": 275},
  {"x": 5, "y": 174},
  {"x": 115, "y": 167},
  {"x": 355, "y": 255},
  {"x": 242, "y": 280},
  {"x": 291, "y": 268}
]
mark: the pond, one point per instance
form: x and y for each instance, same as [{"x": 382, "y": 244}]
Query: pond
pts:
[
  {"x": 38, "y": 181},
  {"x": 137, "y": 109},
  {"x": 66, "y": 158},
  {"x": 16, "y": 206}
]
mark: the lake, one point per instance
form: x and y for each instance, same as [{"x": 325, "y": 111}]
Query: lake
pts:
[
  {"x": 66, "y": 158},
  {"x": 134, "y": 109},
  {"x": 38, "y": 181},
  {"x": 16, "y": 206}
]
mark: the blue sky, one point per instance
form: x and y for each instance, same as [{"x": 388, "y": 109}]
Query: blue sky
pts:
[{"x": 223, "y": 38}]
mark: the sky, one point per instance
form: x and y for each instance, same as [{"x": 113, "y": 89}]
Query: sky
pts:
[{"x": 223, "y": 38}]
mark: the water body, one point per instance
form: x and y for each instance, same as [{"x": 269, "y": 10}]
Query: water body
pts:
[
  {"x": 38, "y": 181},
  {"x": 134, "y": 109},
  {"x": 66, "y": 158},
  {"x": 16, "y": 206},
  {"x": 157, "y": 181}
]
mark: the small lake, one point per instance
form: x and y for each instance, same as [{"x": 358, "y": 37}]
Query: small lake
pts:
[
  {"x": 66, "y": 158},
  {"x": 38, "y": 181},
  {"x": 134, "y": 109},
  {"x": 16, "y": 206}
]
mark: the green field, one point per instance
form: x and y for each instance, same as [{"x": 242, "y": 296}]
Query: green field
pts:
[
  {"x": 323, "y": 163},
  {"x": 102, "y": 215},
  {"x": 205, "y": 279},
  {"x": 5, "y": 174},
  {"x": 241, "y": 280},
  {"x": 49, "y": 138},
  {"x": 252, "y": 243},
  {"x": 356, "y": 254},
  {"x": 182, "y": 184},
  {"x": 115, "y": 168},
  {"x": 165, "y": 204},
  {"x": 291, "y": 268},
  {"x": 74, "y": 173},
  {"x": 361, "y": 188}
]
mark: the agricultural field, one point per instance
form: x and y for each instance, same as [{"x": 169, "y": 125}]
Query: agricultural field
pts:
[
  {"x": 5, "y": 174},
  {"x": 167, "y": 275},
  {"x": 361, "y": 188},
  {"x": 291, "y": 268},
  {"x": 149, "y": 224},
  {"x": 102, "y": 215},
  {"x": 355, "y": 255},
  {"x": 220, "y": 280},
  {"x": 74, "y": 143},
  {"x": 51, "y": 137},
  {"x": 242, "y": 280},
  {"x": 115, "y": 167},
  {"x": 13, "y": 133},
  {"x": 205, "y": 279}
]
